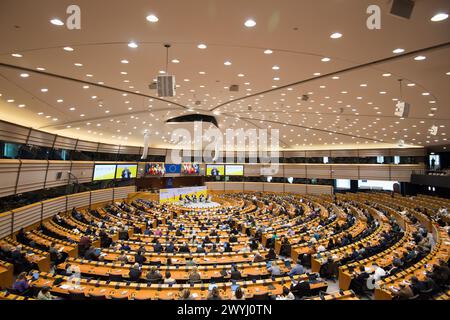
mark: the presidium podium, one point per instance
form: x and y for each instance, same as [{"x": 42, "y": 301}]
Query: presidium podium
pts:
[{"x": 189, "y": 197}]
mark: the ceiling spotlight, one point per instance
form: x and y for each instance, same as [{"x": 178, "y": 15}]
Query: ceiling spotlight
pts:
[
  {"x": 175, "y": 61},
  {"x": 441, "y": 16},
  {"x": 326, "y": 59},
  {"x": 250, "y": 23},
  {"x": 70, "y": 49},
  {"x": 398, "y": 50},
  {"x": 268, "y": 51},
  {"x": 202, "y": 46},
  {"x": 24, "y": 75},
  {"x": 124, "y": 61},
  {"x": 387, "y": 74},
  {"x": 56, "y": 22},
  {"x": 420, "y": 58},
  {"x": 17, "y": 55},
  {"x": 152, "y": 18},
  {"x": 133, "y": 44},
  {"x": 336, "y": 35},
  {"x": 44, "y": 90},
  {"x": 227, "y": 63},
  {"x": 275, "y": 68},
  {"x": 40, "y": 68},
  {"x": 78, "y": 64}
]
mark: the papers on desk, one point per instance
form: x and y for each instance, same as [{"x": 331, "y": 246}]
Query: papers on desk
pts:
[
  {"x": 66, "y": 287},
  {"x": 194, "y": 295},
  {"x": 61, "y": 249},
  {"x": 124, "y": 292}
]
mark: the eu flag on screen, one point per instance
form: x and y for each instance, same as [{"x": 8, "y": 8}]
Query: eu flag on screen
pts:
[{"x": 173, "y": 168}]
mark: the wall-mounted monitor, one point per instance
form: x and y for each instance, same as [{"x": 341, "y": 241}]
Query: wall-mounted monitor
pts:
[
  {"x": 376, "y": 185},
  {"x": 155, "y": 169},
  {"x": 234, "y": 170},
  {"x": 126, "y": 171},
  {"x": 215, "y": 170},
  {"x": 190, "y": 168},
  {"x": 104, "y": 172},
  {"x": 343, "y": 184}
]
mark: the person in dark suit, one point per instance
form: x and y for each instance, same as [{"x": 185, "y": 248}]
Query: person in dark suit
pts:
[
  {"x": 301, "y": 288},
  {"x": 215, "y": 172},
  {"x": 359, "y": 283},
  {"x": 153, "y": 276},
  {"x": 139, "y": 258},
  {"x": 135, "y": 273},
  {"x": 235, "y": 273},
  {"x": 126, "y": 173}
]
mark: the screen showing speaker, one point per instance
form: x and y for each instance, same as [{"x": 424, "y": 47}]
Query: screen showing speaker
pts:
[
  {"x": 126, "y": 171},
  {"x": 104, "y": 172},
  {"x": 215, "y": 170},
  {"x": 234, "y": 170}
]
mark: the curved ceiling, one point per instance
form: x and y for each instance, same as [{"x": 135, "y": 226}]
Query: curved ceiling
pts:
[{"x": 90, "y": 92}]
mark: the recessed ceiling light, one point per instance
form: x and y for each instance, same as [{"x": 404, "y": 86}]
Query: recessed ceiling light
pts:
[
  {"x": 326, "y": 59},
  {"x": 40, "y": 69},
  {"x": 44, "y": 90},
  {"x": 78, "y": 64},
  {"x": 175, "y": 61},
  {"x": 398, "y": 50},
  {"x": 17, "y": 55},
  {"x": 202, "y": 72},
  {"x": 441, "y": 16},
  {"x": 202, "y": 46},
  {"x": 227, "y": 63},
  {"x": 241, "y": 75},
  {"x": 72, "y": 109},
  {"x": 336, "y": 35},
  {"x": 268, "y": 51},
  {"x": 152, "y": 18},
  {"x": 56, "y": 22},
  {"x": 85, "y": 87},
  {"x": 448, "y": 73},
  {"x": 411, "y": 84},
  {"x": 420, "y": 58},
  {"x": 363, "y": 85},
  {"x": 275, "y": 68},
  {"x": 387, "y": 74},
  {"x": 60, "y": 100},
  {"x": 24, "y": 75},
  {"x": 10, "y": 100},
  {"x": 316, "y": 74},
  {"x": 186, "y": 80},
  {"x": 276, "y": 79},
  {"x": 335, "y": 78},
  {"x": 132, "y": 44},
  {"x": 68, "y": 49},
  {"x": 250, "y": 23},
  {"x": 124, "y": 61},
  {"x": 21, "y": 106},
  {"x": 425, "y": 93}
]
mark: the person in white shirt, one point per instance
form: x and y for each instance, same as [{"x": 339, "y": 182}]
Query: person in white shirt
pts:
[
  {"x": 286, "y": 295},
  {"x": 378, "y": 272},
  {"x": 321, "y": 248}
]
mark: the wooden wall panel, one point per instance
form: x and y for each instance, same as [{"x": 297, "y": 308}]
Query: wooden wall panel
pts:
[
  {"x": 253, "y": 186},
  {"x": 343, "y": 171},
  {"x": 9, "y": 169},
  {"x": 215, "y": 186},
  {"x": 123, "y": 192},
  {"x": 83, "y": 170},
  {"x": 65, "y": 143},
  {"x": 27, "y": 215},
  {"x": 273, "y": 187},
  {"x": 78, "y": 200},
  {"x": 295, "y": 188},
  {"x": 54, "y": 168},
  {"x": 51, "y": 207},
  {"x": 374, "y": 172},
  {"x": 101, "y": 195},
  {"x": 319, "y": 171},
  {"x": 13, "y": 133},
  {"x": 32, "y": 175},
  {"x": 295, "y": 170},
  {"x": 5, "y": 224},
  {"x": 252, "y": 170},
  {"x": 234, "y": 186},
  {"x": 87, "y": 146},
  {"x": 41, "y": 138}
]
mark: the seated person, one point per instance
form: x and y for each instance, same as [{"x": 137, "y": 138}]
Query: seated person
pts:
[
  {"x": 275, "y": 270},
  {"x": 194, "y": 276},
  {"x": 168, "y": 278},
  {"x": 286, "y": 295},
  {"x": 135, "y": 273},
  {"x": 45, "y": 294},
  {"x": 153, "y": 275},
  {"x": 21, "y": 285},
  {"x": 297, "y": 269}
]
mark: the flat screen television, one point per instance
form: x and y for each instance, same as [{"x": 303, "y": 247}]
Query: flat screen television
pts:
[
  {"x": 126, "y": 171},
  {"x": 104, "y": 172},
  {"x": 234, "y": 170},
  {"x": 215, "y": 170}
]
